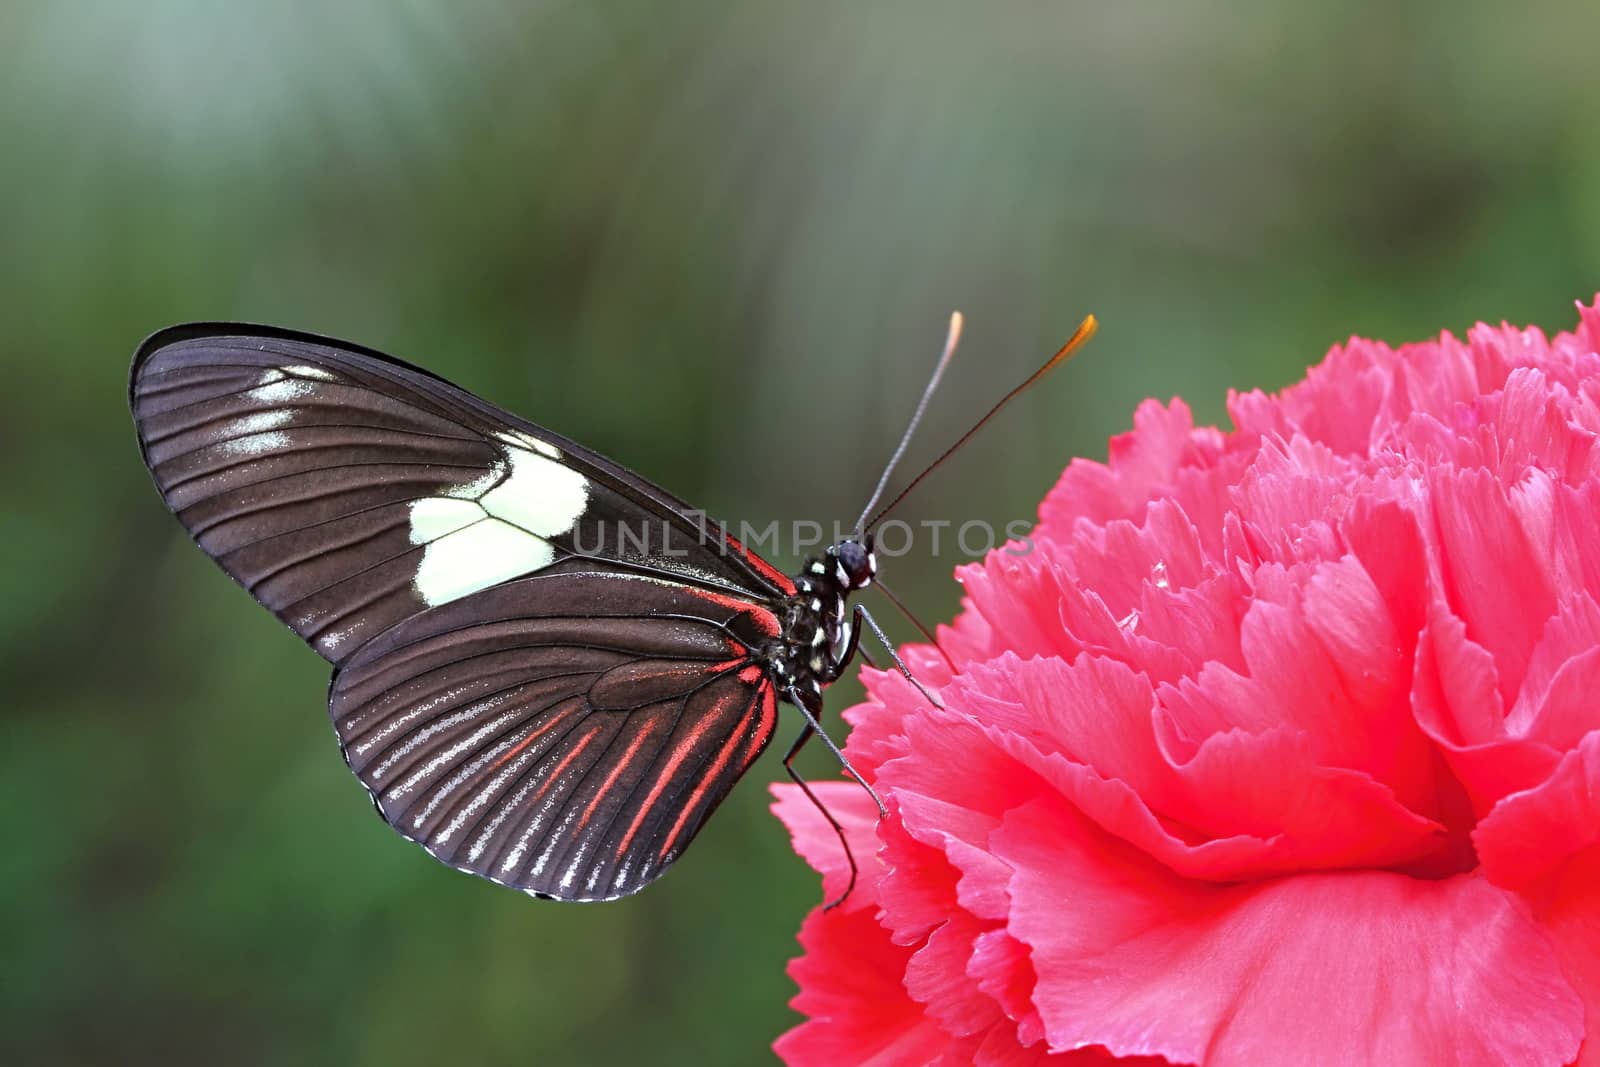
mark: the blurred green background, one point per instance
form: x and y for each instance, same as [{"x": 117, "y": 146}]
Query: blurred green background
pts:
[{"x": 717, "y": 242}]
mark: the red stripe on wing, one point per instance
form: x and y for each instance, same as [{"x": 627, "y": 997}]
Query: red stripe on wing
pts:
[
  {"x": 680, "y": 752},
  {"x": 687, "y": 807},
  {"x": 763, "y": 619},
  {"x": 533, "y": 735},
  {"x": 761, "y": 566},
  {"x": 618, "y": 770},
  {"x": 566, "y": 761}
]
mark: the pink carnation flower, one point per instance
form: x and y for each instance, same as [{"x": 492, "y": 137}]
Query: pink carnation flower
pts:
[{"x": 1281, "y": 747}]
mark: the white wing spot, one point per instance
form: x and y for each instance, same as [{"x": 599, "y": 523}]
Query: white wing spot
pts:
[
  {"x": 480, "y": 485},
  {"x": 434, "y": 517},
  {"x": 495, "y": 527},
  {"x": 250, "y": 434},
  {"x": 332, "y": 639},
  {"x": 280, "y": 390},
  {"x": 255, "y": 444},
  {"x": 476, "y": 557},
  {"x": 303, "y": 371},
  {"x": 261, "y": 420},
  {"x": 520, "y": 440},
  {"x": 542, "y": 496}
]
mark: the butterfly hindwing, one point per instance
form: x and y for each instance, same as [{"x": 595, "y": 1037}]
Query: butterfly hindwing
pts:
[{"x": 566, "y": 733}]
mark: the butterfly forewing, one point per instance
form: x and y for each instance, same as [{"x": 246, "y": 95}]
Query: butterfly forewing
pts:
[
  {"x": 348, "y": 491},
  {"x": 548, "y": 667}
]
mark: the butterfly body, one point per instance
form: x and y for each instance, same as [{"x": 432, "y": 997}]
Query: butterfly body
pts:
[
  {"x": 547, "y": 670},
  {"x": 820, "y": 636}
]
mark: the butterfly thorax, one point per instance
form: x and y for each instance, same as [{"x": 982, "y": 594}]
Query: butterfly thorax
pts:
[{"x": 819, "y": 634}]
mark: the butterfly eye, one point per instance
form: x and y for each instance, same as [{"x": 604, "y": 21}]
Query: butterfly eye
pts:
[{"x": 856, "y": 560}]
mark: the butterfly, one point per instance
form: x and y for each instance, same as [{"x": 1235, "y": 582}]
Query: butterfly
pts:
[{"x": 547, "y": 670}]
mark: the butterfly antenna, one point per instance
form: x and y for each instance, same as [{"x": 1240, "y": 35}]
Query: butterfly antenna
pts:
[
  {"x": 952, "y": 338},
  {"x": 1079, "y": 338},
  {"x": 932, "y": 639}
]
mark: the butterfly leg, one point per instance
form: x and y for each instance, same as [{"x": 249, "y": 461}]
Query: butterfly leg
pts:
[
  {"x": 862, "y": 614},
  {"x": 850, "y": 857},
  {"x": 798, "y": 699}
]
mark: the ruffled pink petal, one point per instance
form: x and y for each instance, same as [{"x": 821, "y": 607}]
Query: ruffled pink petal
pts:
[
  {"x": 818, "y": 844},
  {"x": 944, "y": 893},
  {"x": 937, "y": 976},
  {"x": 919, "y": 884},
  {"x": 1198, "y": 624},
  {"x": 1533, "y": 429},
  {"x": 1297, "y": 647},
  {"x": 1146, "y": 457},
  {"x": 1324, "y": 657},
  {"x": 1575, "y": 547},
  {"x": 1341, "y": 401},
  {"x": 1089, "y": 729},
  {"x": 1555, "y": 705},
  {"x": 1287, "y": 497},
  {"x": 1360, "y": 967},
  {"x": 1529, "y": 834},
  {"x": 1571, "y": 632},
  {"x": 1568, "y": 905},
  {"x": 999, "y": 1049},
  {"x": 1439, "y": 381},
  {"x": 1003, "y": 969},
  {"x": 968, "y": 639},
  {"x": 937, "y": 850},
  {"x": 1020, "y": 599},
  {"x": 876, "y": 734},
  {"x": 1385, "y": 537},
  {"x": 1586, "y": 338},
  {"x": 852, "y": 976},
  {"x": 1456, "y": 700},
  {"x": 1567, "y": 710},
  {"x": 1480, "y": 542},
  {"x": 1456, "y": 689},
  {"x": 851, "y": 988}
]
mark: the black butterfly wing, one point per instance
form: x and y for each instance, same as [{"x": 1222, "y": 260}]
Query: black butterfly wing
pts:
[
  {"x": 566, "y": 733},
  {"x": 547, "y": 667},
  {"x": 348, "y": 491}
]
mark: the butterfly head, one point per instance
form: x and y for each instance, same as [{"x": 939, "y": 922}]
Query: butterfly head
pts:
[{"x": 855, "y": 563}]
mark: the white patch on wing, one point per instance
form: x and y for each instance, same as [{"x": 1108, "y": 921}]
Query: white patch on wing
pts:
[
  {"x": 578, "y": 858},
  {"x": 436, "y": 516},
  {"x": 480, "y": 485},
  {"x": 476, "y": 557},
  {"x": 517, "y": 439},
  {"x": 332, "y": 639},
  {"x": 495, "y": 527},
  {"x": 255, "y": 444},
  {"x": 541, "y": 496},
  {"x": 251, "y": 436},
  {"x": 303, "y": 371},
  {"x": 281, "y": 390},
  {"x": 261, "y": 420}
]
